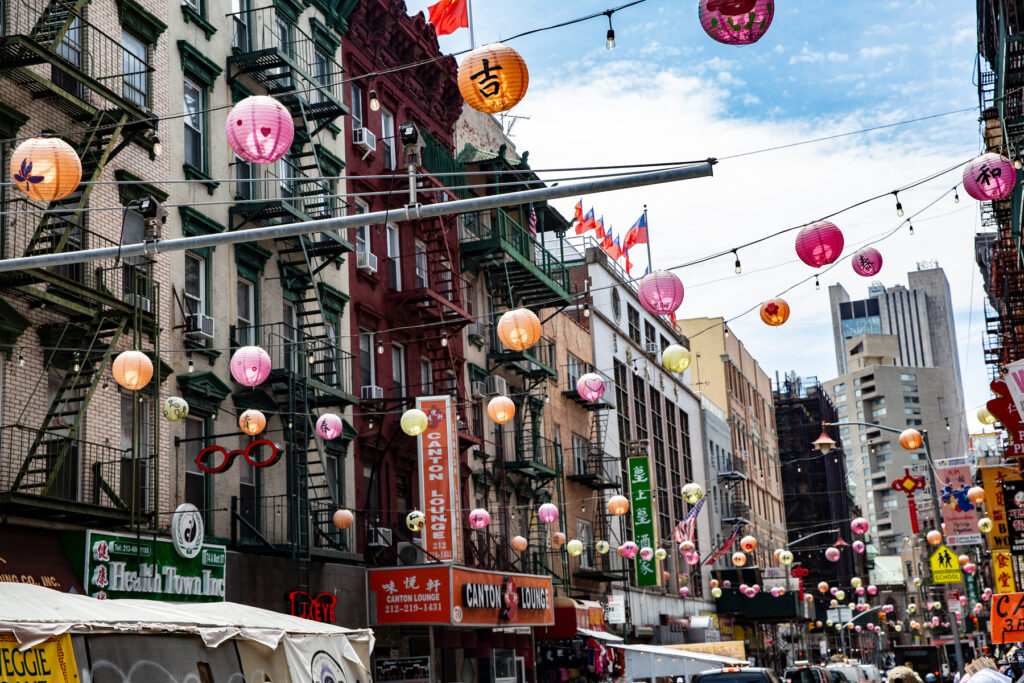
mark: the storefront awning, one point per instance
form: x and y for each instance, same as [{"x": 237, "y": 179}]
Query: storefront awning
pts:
[
  {"x": 652, "y": 661},
  {"x": 583, "y": 617},
  {"x": 599, "y": 635}
]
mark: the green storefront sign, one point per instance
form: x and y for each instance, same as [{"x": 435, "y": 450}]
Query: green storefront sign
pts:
[
  {"x": 114, "y": 565},
  {"x": 643, "y": 519}
]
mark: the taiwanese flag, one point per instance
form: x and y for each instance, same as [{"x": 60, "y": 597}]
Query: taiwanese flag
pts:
[
  {"x": 577, "y": 213},
  {"x": 638, "y": 233},
  {"x": 606, "y": 243},
  {"x": 587, "y": 223},
  {"x": 448, "y": 16},
  {"x": 600, "y": 228},
  {"x": 629, "y": 265},
  {"x": 615, "y": 251}
]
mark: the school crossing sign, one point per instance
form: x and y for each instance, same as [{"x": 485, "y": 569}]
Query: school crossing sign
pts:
[{"x": 945, "y": 566}]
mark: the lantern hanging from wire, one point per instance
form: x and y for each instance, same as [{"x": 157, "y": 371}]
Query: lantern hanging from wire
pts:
[
  {"x": 646, "y": 553},
  {"x": 260, "y": 129},
  {"x": 660, "y": 554},
  {"x": 414, "y": 422},
  {"x": 574, "y": 548},
  {"x": 518, "y": 544},
  {"x": 989, "y": 177},
  {"x": 934, "y": 537},
  {"x": 911, "y": 439},
  {"x": 692, "y": 493},
  {"x": 519, "y": 329},
  {"x": 985, "y": 417},
  {"x": 629, "y": 549},
  {"x": 985, "y": 525},
  {"x": 46, "y": 169},
  {"x": 832, "y": 554},
  {"x": 558, "y": 539},
  {"x": 590, "y": 386},
  {"x": 748, "y": 544},
  {"x": 819, "y": 244},
  {"x": 859, "y": 526},
  {"x": 479, "y": 518},
  {"x": 343, "y": 519},
  {"x": 691, "y": 558},
  {"x": 660, "y": 293},
  {"x": 739, "y": 559},
  {"x": 774, "y": 312},
  {"x": 976, "y": 495},
  {"x": 858, "y": 546},
  {"x": 618, "y": 505},
  {"x": 786, "y": 558},
  {"x": 329, "y": 426},
  {"x": 132, "y": 370},
  {"x": 252, "y": 422},
  {"x": 602, "y": 547},
  {"x": 736, "y": 22},
  {"x": 493, "y": 78},
  {"x": 547, "y": 513},
  {"x": 675, "y": 358},
  {"x": 501, "y": 409},
  {"x": 250, "y": 365},
  {"x": 716, "y": 592},
  {"x": 867, "y": 262},
  {"x": 175, "y": 409},
  {"x": 415, "y": 520}
]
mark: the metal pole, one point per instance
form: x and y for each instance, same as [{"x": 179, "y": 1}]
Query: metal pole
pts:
[
  {"x": 408, "y": 213},
  {"x": 650, "y": 261},
  {"x": 469, "y": 13}
]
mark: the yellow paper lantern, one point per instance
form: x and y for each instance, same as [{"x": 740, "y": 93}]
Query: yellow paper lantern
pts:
[
  {"x": 518, "y": 544},
  {"x": 911, "y": 439},
  {"x": 343, "y": 519},
  {"x": 46, "y": 169},
  {"x": 618, "y": 505},
  {"x": 252, "y": 422},
  {"x": 414, "y": 422},
  {"x": 501, "y": 409},
  {"x": 519, "y": 329},
  {"x": 985, "y": 417},
  {"x": 574, "y": 548},
  {"x": 493, "y": 78},
  {"x": 132, "y": 370},
  {"x": 675, "y": 358},
  {"x": 985, "y": 525}
]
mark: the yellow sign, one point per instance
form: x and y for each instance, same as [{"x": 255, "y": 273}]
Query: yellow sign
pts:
[
  {"x": 992, "y": 478},
  {"x": 727, "y": 648},
  {"x": 945, "y": 566},
  {"x": 1002, "y": 571},
  {"x": 50, "y": 662}
]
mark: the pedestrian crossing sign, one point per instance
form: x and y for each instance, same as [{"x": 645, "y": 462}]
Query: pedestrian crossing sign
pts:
[{"x": 945, "y": 566}]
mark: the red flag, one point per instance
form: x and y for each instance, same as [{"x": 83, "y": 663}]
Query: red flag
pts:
[
  {"x": 629, "y": 264},
  {"x": 577, "y": 214},
  {"x": 448, "y": 16},
  {"x": 638, "y": 233},
  {"x": 600, "y": 228}
]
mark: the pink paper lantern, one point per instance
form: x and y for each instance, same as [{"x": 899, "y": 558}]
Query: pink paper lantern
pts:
[
  {"x": 990, "y": 176},
  {"x": 686, "y": 547},
  {"x": 756, "y": 588},
  {"x": 832, "y": 554},
  {"x": 744, "y": 588},
  {"x": 872, "y": 590},
  {"x": 479, "y": 518},
  {"x": 727, "y": 584},
  {"x": 819, "y": 244},
  {"x": 859, "y": 526},
  {"x": 629, "y": 550},
  {"x": 692, "y": 558},
  {"x": 963, "y": 599},
  {"x": 684, "y": 592},
  {"x": 260, "y": 129},
  {"x": 329, "y": 426},
  {"x": 867, "y": 262},
  {"x": 775, "y": 592},
  {"x": 859, "y": 590},
  {"x": 970, "y": 568},
  {"x": 736, "y": 22},
  {"x": 250, "y": 365},
  {"x": 547, "y": 513},
  {"x": 833, "y": 590},
  {"x": 871, "y": 627},
  {"x": 646, "y": 553},
  {"x": 858, "y": 547},
  {"x": 590, "y": 386},
  {"x": 660, "y": 293}
]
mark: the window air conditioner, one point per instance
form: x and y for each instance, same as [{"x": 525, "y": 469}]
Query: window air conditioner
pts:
[
  {"x": 410, "y": 553},
  {"x": 366, "y": 260},
  {"x": 140, "y": 302},
  {"x": 479, "y": 389},
  {"x": 371, "y": 392},
  {"x": 363, "y": 138},
  {"x": 199, "y": 326},
  {"x": 652, "y": 348},
  {"x": 378, "y": 536},
  {"x": 497, "y": 386}
]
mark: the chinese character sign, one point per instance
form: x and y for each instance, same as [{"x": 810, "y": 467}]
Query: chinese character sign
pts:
[
  {"x": 1013, "y": 499},
  {"x": 644, "y": 531},
  {"x": 959, "y": 514},
  {"x": 991, "y": 481},
  {"x": 1002, "y": 572},
  {"x": 439, "y": 482}
]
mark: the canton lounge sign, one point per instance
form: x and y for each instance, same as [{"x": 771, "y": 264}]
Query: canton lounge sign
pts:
[
  {"x": 506, "y": 597},
  {"x": 126, "y": 566}
]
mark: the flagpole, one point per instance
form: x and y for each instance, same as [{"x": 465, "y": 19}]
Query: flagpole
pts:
[
  {"x": 472, "y": 36},
  {"x": 647, "y": 227}
]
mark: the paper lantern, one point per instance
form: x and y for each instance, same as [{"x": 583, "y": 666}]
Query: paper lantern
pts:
[
  {"x": 774, "y": 312},
  {"x": 692, "y": 493},
  {"x": 716, "y": 593},
  {"x": 976, "y": 495},
  {"x": 691, "y": 558},
  {"x": 501, "y": 409},
  {"x": 963, "y": 559},
  {"x": 590, "y": 387},
  {"x": 479, "y": 518},
  {"x": 252, "y": 422},
  {"x": 132, "y": 370},
  {"x": 675, "y": 358},
  {"x": 629, "y": 549},
  {"x": 46, "y": 169},
  {"x": 859, "y": 526},
  {"x": 175, "y": 409},
  {"x": 714, "y": 583},
  {"x": 519, "y": 329},
  {"x": 602, "y": 547},
  {"x": 856, "y": 582},
  {"x": 917, "y": 581},
  {"x": 343, "y": 519},
  {"x": 415, "y": 520},
  {"x": 687, "y": 547},
  {"x": 574, "y": 548},
  {"x": 832, "y": 554},
  {"x": 547, "y": 513},
  {"x": 934, "y": 537},
  {"x": 736, "y": 22},
  {"x": 518, "y": 544},
  {"x": 684, "y": 592},
  {"x": 660, "y": 554},
  {"x": 776, "y": 553},
  {"x": 898, "y": 627},
  {"x": 841, "y": 595},
  {"x": 858, "y": 546},
  {"x": 834, "y": 591},
  {"x": 872, "y": 590},
  {"x": 260, "y": 129},
  {"x": 985, "y": 525},
  {"x": 660, "y": 293},
  {"x": 819, "y": 244},
  {"x": 250, "y": 365},
  {"x": 739, "y": 559},
  {"x": 985, "y": 417},
  {"x": 493, "y": 78},
  {"x": 911, "y": 439},
  {"x": 646, "y": 553},
  {"x": 329, "y": 426},
  {"x": 727, "y": 584},
  {"x": 990, "y": 176},
  {"x": 911, "y": 608},
  {"x": 867, "y": 262},
  {"x": 785, "y": 557},
  {"x": 748, "y": 544},
  {"x": 414, "y": 422},
  {"x": 558, "y": 539},
  {"x": 970, "y": 568},
  {"x": 774, "y": 592},
  {"x": 618, "y": 505}
]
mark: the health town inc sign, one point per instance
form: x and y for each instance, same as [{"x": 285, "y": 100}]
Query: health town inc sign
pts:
[{"x": 116, "y": 565}]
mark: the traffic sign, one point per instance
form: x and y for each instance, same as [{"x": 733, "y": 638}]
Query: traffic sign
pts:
[{"x": 945, "y": 566}]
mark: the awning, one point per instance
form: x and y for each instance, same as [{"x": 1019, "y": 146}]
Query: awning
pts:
[
  {"x": 653, "y": 661},
  {"x": 576, "y": 616},
  {"x": 599, "y": 635},
  {"x": 35, "y": 556}
]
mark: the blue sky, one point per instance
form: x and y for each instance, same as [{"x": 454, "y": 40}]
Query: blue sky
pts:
[{"x": 669, "y": 92}]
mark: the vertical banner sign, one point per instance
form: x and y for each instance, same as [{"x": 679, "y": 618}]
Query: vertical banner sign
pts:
[
  {"x": 991, "y": 481},
  {"x": 1013, "y": 499},
  {"x": 1002, "y": 572},
  {"x": 959, "y": 515},
  {"x": 644, "y": 532},
  {"x": 1015, "y": 382},
  {"x": 439, "y": 481},
  {"x": 1007, "y": 618}
]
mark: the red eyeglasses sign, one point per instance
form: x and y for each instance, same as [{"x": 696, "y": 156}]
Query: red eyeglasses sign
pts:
[{"x": 229, "y": 456}]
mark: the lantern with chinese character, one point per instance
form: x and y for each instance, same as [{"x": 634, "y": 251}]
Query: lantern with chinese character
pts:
[
  {"x": 547, "y": 513},
  {"x": 819, "y": 244},
  {"x": 252, "y": 422},
  {"x": 785, "y": 558},
  {"x": 691, "y": 558},
  {"x": 415, "y": 520},
  {"x": 646, "y": 553},
  {"x": 687, "y": 547},
  {"x": 867, "y": 262},
  {"x": 736, "y": 22},
  {"x": 260, "y": 129},
  {"x": 414, "y": 422},
  {"x": 976, "y": 495},
  {"x": 590, "y": 386},
  {"x": 859, "y": 526},
  {"x": 329, "y": 426},
  {"x": 984, "y": 525},
  {"x": 46, "y": 169},
  {"x": 519, "y": 329},
  {"x": 493, "y": 78},
  {"x": 501, "y": 409},
  {"x": 618, "y": 505},
  {"x": 692, "y": 493},
  {"x": 739, "y": 559},
  {"x": 675, "y": 358},
  {"x": 250, "y": 365},
  {"x": 574, "y": 548},
  {"x": 175, "y": 409},
  {"x": 832, "y": 554},
  {"x": 518, "y": 544},
  {"x": 858, "y": 546},
  {"x": 990, "y": 176},
  {"x": 343, "y": 519},
  {"x": 748, "y": 544},
  {"x": 911, "y": 439},
  {"x": 132, "y": 370},
  {"x": 774, "y": 312},
  {"x": 660, "y": 554},
  {"x": 628, "y": 550},
  {"x": 602, "y": 547},
  {"x": 479, "y": 518},
  {"x": 660, "y": 293}
]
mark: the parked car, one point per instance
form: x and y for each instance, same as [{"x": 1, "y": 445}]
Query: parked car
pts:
[
  {"x": 748, "y": 674},
  {"x": 851, "y": 672},
  {"x": 806, "y": 674},
  {"x": 871, "y": 673}
]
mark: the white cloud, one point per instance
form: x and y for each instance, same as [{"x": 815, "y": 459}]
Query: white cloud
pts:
[
  {"x": 751, "y": 99},
  {"x": 881, "y": 51}
]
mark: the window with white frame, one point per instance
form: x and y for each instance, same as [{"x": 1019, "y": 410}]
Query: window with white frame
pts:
[
  {"x": 394, "y": 259},
  {"x": 585, "y": 535},
  {"x": 387, "y": 138},
  {"x": 290, "y": 337},
  {"x": 357, "y": 107},
  {"x": 426, "y": 377},
  {"x": 135, "y": 67},
  {"x": 245, "y": 318},
  {"x": 398, "y": 369},
  {"x": 362, "y": 240},
  {"x": 574, "y": 370},
  {"x": 367, "y": 363},
  {"x": 195, "y": 284},
  {"x": 422, "y": 276},
  {"x": 579, "y": 454},
  {"x": 194, "y": 126},
  {"x": 195, "y": 478}
]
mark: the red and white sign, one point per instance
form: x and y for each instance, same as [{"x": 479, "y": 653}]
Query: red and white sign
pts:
[
  {"x": 439, "y": 481},
  {"x": 411, "y": 595}
]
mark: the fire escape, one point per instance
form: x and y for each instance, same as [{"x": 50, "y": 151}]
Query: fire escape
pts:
[{"x": 51, "y": 50}]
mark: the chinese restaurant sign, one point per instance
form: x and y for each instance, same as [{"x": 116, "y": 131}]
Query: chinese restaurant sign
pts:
[
  {"x": 127, "y": 566},
  {"x": 1013, "y": 499},
  {"x": 991, "y": 481},
  {"x": 52, "y": 661},
  {"x": 1008, "y": 618},
  {"x": 644, "y": 532},
  {"x": 1002, "y": 572},
  {"x": 459, "y": 597},
  {"x": 959, "y": 515},
  {"x": 439, "y": 481},
  {"x": 1005, "y": 410}
]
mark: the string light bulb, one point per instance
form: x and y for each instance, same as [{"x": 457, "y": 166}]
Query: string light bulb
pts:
[
  {"x": 444, "y": 339},
  {"x": 374, "y": 100},
  {"x": 737, "y": 266},
  {"x": 609, "y": 42},
  {"x": 1017, "y": 162},
  {"x": 77, "y": 366},
  {"x": 21, "y": 358},
  {"x": 586, "y": 310},
  {"x": 380, "y": 347},
  {"x": 899, "y": 207},
  {"x": 154, "y": 139},
  {"x": 947, "y": 425},
  {"x": 956, "y": 196},
  {"x": 369, "y": 423},
  {"x": 911, "y": 227},
  {"x": 817, "y": 284}
]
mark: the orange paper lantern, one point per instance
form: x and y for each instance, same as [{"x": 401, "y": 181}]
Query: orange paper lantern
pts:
[
  {"x": 493, "y": 78},
  {"x": 774, "y": 312},
  {"x": 501, "y": 409},
  {"x": 934, "y": 537},
  {"x": 518, "y": 544},
  {"x": 252, "y": 422},
  {"x": 911, "y": 439},
  {"x": 519, "y": 329},
  {"x": 46, "y": 169},
  {"x": 558, "y": 540},
  {"x": 132, "y": 370},
  {"x": 343, "y": 519},
  {"x": 618, "y": 505}
]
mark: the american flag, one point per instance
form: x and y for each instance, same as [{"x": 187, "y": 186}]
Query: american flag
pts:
[
  {"x": 531, "y": 222},
  {"x": 685, "y": 528},
  {"x": 725, "y": 546}
]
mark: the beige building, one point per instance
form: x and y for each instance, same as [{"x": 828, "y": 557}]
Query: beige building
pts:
[{"x": 725, "y": 372}]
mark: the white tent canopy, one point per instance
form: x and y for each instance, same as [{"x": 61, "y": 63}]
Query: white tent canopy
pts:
[{"x": 652, "y": 661}]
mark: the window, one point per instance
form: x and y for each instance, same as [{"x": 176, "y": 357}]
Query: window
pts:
[
  {"x": 616, "y": 304},
  {"x": 574, "y": 370},
  {"x": 890, "y": 504},
  {"x": 240, "y": 17},
  {"x": 135, "y": 66},
  {"x": 579, "y": 454},
  {"x": 910, "y": 388},
  {"x": 290, "y": 336},
  {"x": 585, "y": 534},
  {"x": 841, "y": 398},
  {"x": 194, "y": 4},
  {"x": 367, "y": 365},
  {"x": 245, "y": 325},
  {"x": 426, "y": 377},
  {"x": 633, "y": 316},
  {"x": 422, "y": 277},
  {"x": 357, "y": 107},
  {"x": 650, "y": 336},
  {"x": 195, "y": 284},
  {"x": 195, "y": 154},
  {"x": 195, "y": 478},
  {"x": 247, "y": 502},
  {"x": 394, "y": 259},
  {"x": 912, "y": 411},
  {"x": 914, "y": 423},
  {"x": 878, "y": 412},
  {"x": 387, "y": 139},
  {"x": 398, "y": 369},
  {"x": 135, "y": 432},
  {"x": 363, "y": 244},
  {"x": 243, "y": 178},
  {"x": 321, "y": 74},
  {"x": 329, "y": 376},
  {"x": 908, "y": 378},
  {"x": 839, "y": 387},
  {"x": 911, "y": 399}
]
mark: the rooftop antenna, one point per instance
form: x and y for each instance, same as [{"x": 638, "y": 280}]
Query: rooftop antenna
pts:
[{"x": 512, "y": 118}]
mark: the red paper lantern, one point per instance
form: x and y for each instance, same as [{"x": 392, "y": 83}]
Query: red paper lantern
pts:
[{"x": 819, "y": 244}]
